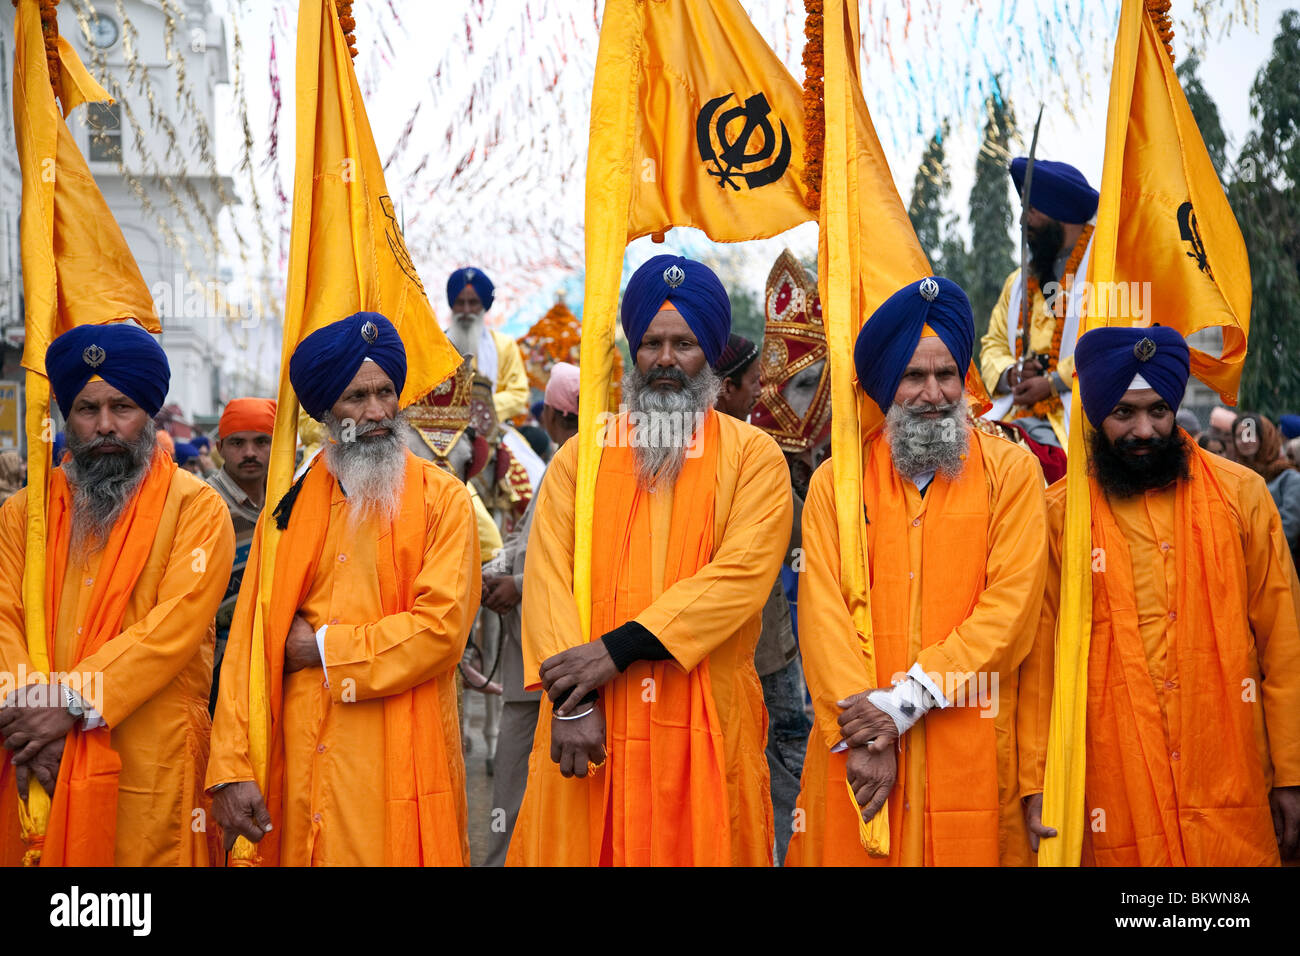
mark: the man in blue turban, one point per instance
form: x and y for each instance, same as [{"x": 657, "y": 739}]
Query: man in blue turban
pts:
[
  {"x": 376, "y": 586},
  {"x": 1195, "y": 643},
  {"x": 496, "y": 355},
  {"x": 130, "y": 630},
  {"x": 1033, "y": 388},
  {"x": 692, "y": 518},
  {"x": 956, "y": 548}
]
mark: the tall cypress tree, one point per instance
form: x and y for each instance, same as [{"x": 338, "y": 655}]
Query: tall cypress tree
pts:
[
  {"x": 1265, "y": 198},
  {"x": 992, "y": 249},
  {"x": 929, "y": 191}
]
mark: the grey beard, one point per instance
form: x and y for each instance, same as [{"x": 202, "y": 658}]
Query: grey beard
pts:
[
  {"x": 372, "y": 471},
  {"x": 919, "y": 445},
  {"x": 667, "y": 420},
  {"x": 466, "y": 339},
  {"x": 103, "y": 485}
]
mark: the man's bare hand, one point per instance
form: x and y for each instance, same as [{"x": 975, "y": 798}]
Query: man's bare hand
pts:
[
  {"x": 300, "y": 648},
  {"x": 34, "y": 716},
  {"x": 1033, "y": 809},
  {"x": 1032, "y": 390},
  {"x": 44, "y": 767},
  {"x": 863, "y": 724},
  {"x": 575, "y": 743},
  {"x": 500, "y": 593},
  {"x": 872, "y": 776},
  {"x": 573, "y": 674},
  {"x": 241, "y": 811},
  {"x": 1285, "y": 804}
]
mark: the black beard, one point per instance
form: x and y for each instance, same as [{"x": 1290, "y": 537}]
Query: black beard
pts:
[
  {"x": 1045, "y": 245},
  {"x": 1122, "y": 474}
]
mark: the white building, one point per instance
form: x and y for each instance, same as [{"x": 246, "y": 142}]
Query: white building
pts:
[{"x": 158, "y": 174}]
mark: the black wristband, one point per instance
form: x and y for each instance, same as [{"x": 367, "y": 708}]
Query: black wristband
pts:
[{"x": 630, "y": 643}]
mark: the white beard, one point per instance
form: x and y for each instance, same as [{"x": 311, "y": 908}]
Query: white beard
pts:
[
  {"x": 465, "y": 336},
  {"x": 919, "y": 445},
  {"x": 667, "y": 422},
  {"x": 372, "y": 471}
]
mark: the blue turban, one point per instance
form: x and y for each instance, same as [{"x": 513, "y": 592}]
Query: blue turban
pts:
[
  {"x": 325, "y": 362},
  {"x": 475, "y": 277},
  {"x": 185, "y": 451},
  {"x": 693, "y": 290},
  {"x": 1058, "y": 190},
  {"x": 1107, "y": 359},
  {"x": 889, "y": 338},
  {"x": 121, "y": 353},
  {"x": 1289, "y": 425}
]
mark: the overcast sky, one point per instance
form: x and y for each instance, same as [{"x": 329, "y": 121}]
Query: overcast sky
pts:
[{"x": 481, "y": 108}]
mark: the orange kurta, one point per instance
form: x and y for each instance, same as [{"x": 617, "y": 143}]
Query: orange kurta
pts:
[
  {"x": 709, "y": 620},
  {"x": 332, "y": 729},
  {"x": 156, "y": 674},
  {"x": 987, "y": 645},
  {"x": 1257, "y": 611}
]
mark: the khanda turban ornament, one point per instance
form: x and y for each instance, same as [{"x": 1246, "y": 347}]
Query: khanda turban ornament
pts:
[{"x": 794, "y": 406}]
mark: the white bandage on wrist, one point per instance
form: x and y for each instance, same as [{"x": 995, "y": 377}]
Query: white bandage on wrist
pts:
[{"x": 906, "y": 702}]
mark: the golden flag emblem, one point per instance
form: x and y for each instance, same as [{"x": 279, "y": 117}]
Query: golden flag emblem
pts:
[{"x": 719, "y": 140}]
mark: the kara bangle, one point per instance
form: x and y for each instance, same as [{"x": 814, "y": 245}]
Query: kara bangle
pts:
[{"x": 575, "y": 716}]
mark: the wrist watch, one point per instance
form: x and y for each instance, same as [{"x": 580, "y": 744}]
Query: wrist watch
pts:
[{"x": 71, "y": 703}]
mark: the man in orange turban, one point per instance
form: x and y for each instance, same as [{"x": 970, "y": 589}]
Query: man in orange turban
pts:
[{"x": 244, "y": 441}]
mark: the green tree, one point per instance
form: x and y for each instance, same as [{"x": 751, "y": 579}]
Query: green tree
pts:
[
  {"x": 929, "y": 192},
  {"x": 747, "y": 316},
  {"x": 1263, "y": 194},
  {"x": 1204, "y": 111},
  {"x": 992, "y": 250}
]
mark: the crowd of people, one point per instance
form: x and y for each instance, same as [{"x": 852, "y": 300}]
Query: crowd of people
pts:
[{"x": 730, "y": 706}]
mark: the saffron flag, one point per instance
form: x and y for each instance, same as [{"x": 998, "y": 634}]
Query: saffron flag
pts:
[
  {"x": 77, "y": 270},
  {"x": 1163, "y": 219},
  {"x": 346, "y": 255},
  {"x": 694, "y": 122}
]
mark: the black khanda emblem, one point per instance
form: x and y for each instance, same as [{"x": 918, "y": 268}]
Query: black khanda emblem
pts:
[
  {"x": 396, "y": 244},
  {"x": 730, "y": 162},
  {"x": 1191, "y": 233}
]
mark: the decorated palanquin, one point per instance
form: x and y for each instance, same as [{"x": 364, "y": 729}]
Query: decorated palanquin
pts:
[
  {"x": 794, "y": 406},
  {"x": 503, "y": 485},
  {"x": 442, "y": 416}
]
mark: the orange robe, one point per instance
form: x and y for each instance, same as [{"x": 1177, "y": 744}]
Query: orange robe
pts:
[
  {"x": 956, "y": 589},
  {"x": 156, "y": 674},
  {"x": 1193, "y": 672},
  {"x": 332, "y": 737},
  {"x": 707, "y": 700}
]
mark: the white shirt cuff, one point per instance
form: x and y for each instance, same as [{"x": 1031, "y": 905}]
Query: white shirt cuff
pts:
[
  {"x": 923, "y": 679},
  {"x": 90, "y": 717},
  {"x": 320, "y": 645}
]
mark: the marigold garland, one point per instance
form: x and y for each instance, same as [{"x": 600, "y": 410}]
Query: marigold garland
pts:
[
  {"x": 814, "y": 106},
  {"x": 349, "y": 25},
  {"x": 553, "y": 338},
  {"x": 50, "y": 31},
  {"x": 1158, "y": 11},
  {"x": 1059, "y": 308}
]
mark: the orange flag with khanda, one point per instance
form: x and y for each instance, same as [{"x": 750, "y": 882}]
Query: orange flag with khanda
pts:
[
  {"x": 77, "y": 270},
  {"x": 346, "y": 255},
  {"x": 1167, "y": 238},
  {"x": 695, "y": 121}
]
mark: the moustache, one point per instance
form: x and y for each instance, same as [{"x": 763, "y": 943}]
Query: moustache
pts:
[
  {"x": 671, "y": 374},
  {"x": 104, "y": 443},
  {"x": 465, "y": 318}
]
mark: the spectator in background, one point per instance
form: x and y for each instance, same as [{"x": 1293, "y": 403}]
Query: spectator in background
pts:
[
  {"x": 1189, "y": 423},
  {"x": 1221, "y": 422},
  {"x": 13, "y": 473},
  {"x": 206, "y": 465},
  {"x": 187, "y": 457},
  {"x": 1289, "y": 425},
  {"x": 1292, "y": 449},
  {"x": 1259, "y": 447},
  {"x": 1214, "y": 443}
]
